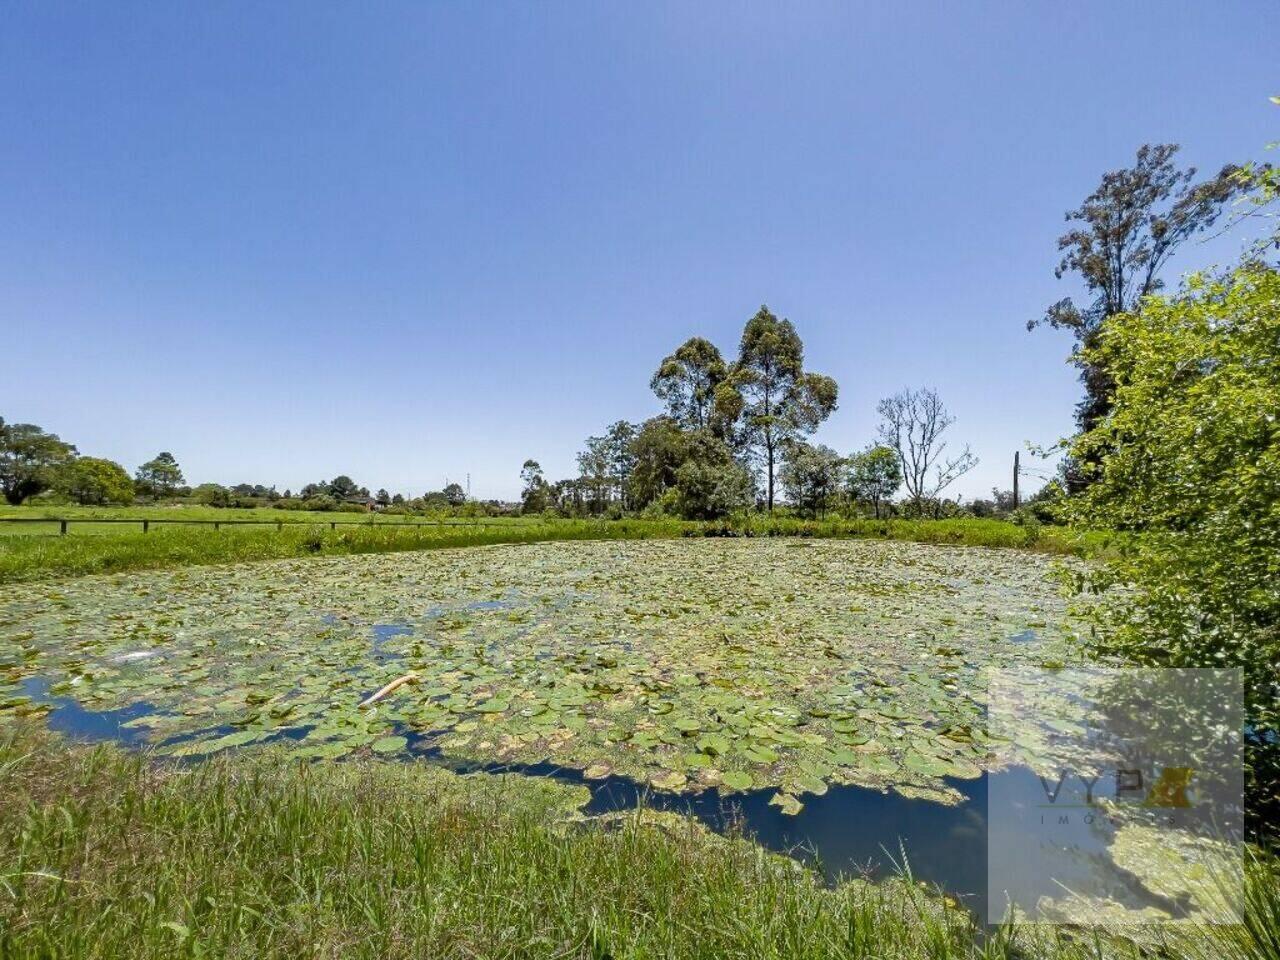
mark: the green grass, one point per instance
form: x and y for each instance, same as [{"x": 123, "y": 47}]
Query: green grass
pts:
[
  {"x": 24, "y": 558},
  {"x": 202, "y": 514},
  {"x": 104, "y": 854}
]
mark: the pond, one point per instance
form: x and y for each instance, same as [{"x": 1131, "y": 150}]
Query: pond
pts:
[{"x": 831, "y": 693}]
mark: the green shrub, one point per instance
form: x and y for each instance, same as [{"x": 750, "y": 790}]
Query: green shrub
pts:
[{"x": 1190, "y": 459}]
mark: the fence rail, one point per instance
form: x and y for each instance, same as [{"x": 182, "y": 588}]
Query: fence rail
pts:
[{"x": 147, "y": 522}]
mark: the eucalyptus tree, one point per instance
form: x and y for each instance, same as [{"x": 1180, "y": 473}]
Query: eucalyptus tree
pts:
[
  {"x": 780, "y": 401},
  {"x": 686, "y": 382},
  {"x": 1124, "y": 234},
  {"x": 534, "y": 491},
  {"x": 912, "y": 424}
]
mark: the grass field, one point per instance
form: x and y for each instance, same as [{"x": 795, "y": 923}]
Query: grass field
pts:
[{"x": 31, "y": 551}]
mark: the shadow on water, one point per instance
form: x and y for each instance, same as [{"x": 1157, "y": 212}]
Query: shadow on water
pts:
[{"x": 849, "y": 831}]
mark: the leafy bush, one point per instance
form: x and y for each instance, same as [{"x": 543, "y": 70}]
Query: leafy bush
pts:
[
  {"x": 93, "y": 481},
  {"x": 1190, "y": 458}
]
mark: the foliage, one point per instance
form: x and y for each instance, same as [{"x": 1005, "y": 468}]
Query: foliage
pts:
[
  {"x": 812, "y": 477},
  {"x": 874, "y": 475},
  {"x": 659, "y": 448},
  {"x": 212, "y": 495},
  {"x": 93, "y": 481},
  {"x": 1190, "y": 456},
  {"x": 1128, "y": 229},
  {"x": 912, "y": 425},
  {"x": 711, "y": 484},
  {"x": 687, "y": 382},
  {"x": 30, "y": 460},
  {"x": 781, "y": 402},
  {"x": 533, "y": 495},
  {"x": 160, "y": 476}
]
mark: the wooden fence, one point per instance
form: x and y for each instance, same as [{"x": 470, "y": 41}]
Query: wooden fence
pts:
[{"x": 147, "y": 522}]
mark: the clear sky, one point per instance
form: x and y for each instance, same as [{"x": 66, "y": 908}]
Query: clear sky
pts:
[{"x": 415, "y": 241}]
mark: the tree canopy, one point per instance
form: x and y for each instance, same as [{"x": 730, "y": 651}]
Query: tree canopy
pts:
[
  {"x": 1124, "y": 234},
  {"x": 29, "y": 460},
  {"x": 781, "y": 402}
]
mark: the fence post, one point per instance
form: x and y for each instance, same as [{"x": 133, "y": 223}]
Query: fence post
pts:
[
  {"x": 279, "y": 525},
  {"x": 146, "y": 526},
  {"x": 63, "y": 525},
  {"x": 333, "y": 525},
  {"x": 217, "y": 525}
]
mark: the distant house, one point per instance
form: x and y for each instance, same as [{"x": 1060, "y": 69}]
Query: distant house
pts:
[{"x": 365, "y": 502}]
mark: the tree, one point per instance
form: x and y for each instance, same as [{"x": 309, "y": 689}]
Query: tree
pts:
[
  {"x": 1128, "y": 229},
  {"x": 619, "y": 456},
  {"x": 383, "y": 498},
  {"x": 1190, "y": 457},
  {"x": 29, "y": 460},
  {"x": 454, "y": 495},
  {"x": 212, "y": 494},
  {"x": 912, "y": 425},
  {"x": 161, "y": 476},
  {"x": 811, "y": 477},
  {"x": 397, "y": 500},
  {"x": 659, "y": 449},
  {"x": 594, "y": 473},
  {"x": 687, "y": 381},
  {"x": 875, "y": 474},
  {"x": 93, "y": 481},
  {"x": 533, "y": 496},
  {"x": 780, "y": 401},
  {"x": 343, "y": 487},
  {"x": 711, "y": 484}
]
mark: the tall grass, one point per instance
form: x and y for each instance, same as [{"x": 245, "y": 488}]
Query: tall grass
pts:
[{"x": 103, "y": 854}]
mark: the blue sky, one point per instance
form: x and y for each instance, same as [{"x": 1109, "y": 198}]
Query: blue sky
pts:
[{"x": 415, "y": 241}]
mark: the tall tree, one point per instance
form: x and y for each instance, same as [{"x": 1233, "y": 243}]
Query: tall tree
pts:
[
  {"x": 595, "y": 473},
  {"x": 912, "y": 424},
  {"x": 687, "y": 381},
  {"x": 454, "y": 495},
  {"x": 160, "y": 476},
  {"x": 1125, "y": 233},
  {"x": 781, "y": 403},
  {"x": 29, "y": 460},
  {"x": 619, "y": 438},
  {"x": 875, "y": 475},
  {"x": 533, "y": 495}
]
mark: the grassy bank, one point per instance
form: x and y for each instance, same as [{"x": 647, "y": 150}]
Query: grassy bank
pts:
[
  {"x": 24, "y": 558},
  {"x": 105, "y": 855}
]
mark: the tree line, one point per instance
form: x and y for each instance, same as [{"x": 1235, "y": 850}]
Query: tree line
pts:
[
  {"x": 39, "y": 466},
  {"x": 734, "y": 432}
]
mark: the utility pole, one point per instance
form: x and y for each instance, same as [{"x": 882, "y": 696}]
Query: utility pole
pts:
[{"x": 1015, "y": 479}]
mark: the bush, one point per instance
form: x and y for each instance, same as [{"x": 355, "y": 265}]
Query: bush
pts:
[
  {"x": 93, "y": 481},
  {"x": 1190, "y": 459}
]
